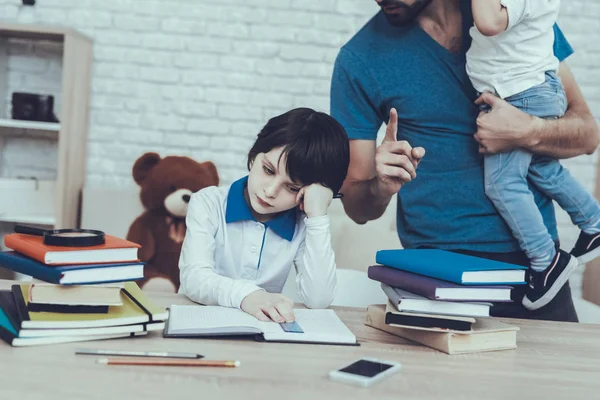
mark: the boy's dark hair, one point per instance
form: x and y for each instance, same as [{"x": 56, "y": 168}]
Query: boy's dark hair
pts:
[{"x": 315, "y": 144}]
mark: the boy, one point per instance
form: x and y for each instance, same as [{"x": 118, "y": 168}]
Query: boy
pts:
[{"x": 242, "y": 240}]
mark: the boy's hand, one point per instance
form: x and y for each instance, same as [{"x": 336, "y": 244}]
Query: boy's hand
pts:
[
  {"x": 314, "y": 200},
  {"x": 395, "y": 161},
  {"x": 267, "y": 306}
]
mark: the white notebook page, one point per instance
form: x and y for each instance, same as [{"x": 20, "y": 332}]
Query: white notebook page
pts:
[
  {"x": 190, "y": 319},
  {"x": 318, "y": 325}
]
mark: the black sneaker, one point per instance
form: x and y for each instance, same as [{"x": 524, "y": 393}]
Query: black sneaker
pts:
[
  {"x": 587, "y": 247},
  {"x": 544, "y": 285}
]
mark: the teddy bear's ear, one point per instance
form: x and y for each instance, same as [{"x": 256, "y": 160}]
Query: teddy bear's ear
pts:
[
  {"x": 211, "y": 172},
  {"x": 143, "y": 166}
]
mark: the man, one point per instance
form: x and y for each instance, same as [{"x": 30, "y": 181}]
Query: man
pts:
[{"x": 406, "y": 66}]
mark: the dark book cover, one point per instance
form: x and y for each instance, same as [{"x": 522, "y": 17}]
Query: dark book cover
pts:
[
  {"x": 8, "y": 305},
  {"x": 422, "y": 285},
  {"x": 8, "y": 319},
  {"x": 21, "y": 311},
  {"x": 427, "y": 322},
  {"x": 67, "y": 308},
  {"x": 28, "y": 266}
]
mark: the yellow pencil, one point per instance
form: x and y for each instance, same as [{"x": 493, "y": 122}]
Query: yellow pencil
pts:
[{"x": 167, "y": 362}]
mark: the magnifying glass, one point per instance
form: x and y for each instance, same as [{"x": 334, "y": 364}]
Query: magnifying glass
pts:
[{"x": 65, "y": 237}]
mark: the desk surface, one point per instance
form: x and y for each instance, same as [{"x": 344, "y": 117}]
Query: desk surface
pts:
[{"x": 552, "y": 361}]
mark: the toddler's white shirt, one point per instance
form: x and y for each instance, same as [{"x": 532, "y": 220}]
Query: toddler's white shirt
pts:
[{"x": 516, "y": 59}]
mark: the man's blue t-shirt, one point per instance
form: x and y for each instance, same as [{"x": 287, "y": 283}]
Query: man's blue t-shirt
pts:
[{"x": 384, "y": 66}]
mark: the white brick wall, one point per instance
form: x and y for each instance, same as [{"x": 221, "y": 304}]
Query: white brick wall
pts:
[{"x": 200, "y": 77}]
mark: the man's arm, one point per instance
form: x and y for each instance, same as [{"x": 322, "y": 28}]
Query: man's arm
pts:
[
  {"x": 575, "y": 134},
  {"x": 361, "y": 200},
  {"x": 376, "y": 174},
  {"x": 490, "y": 17},
  {"x": 505, "y": 127}
]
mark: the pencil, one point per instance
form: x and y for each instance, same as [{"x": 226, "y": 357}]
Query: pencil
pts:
[{"x": 167, "y": 362}]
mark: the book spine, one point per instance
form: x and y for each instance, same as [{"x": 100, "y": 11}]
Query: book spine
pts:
[
  {"x": 390, "y": 277},
  {"x": 436, "y": 340},
  {"x": 7, "y": 336},
  {"x": 7, "y": 303},
  {"x": 31, "y": 268},
  {"x": 22, "y": 312},
  {"x": 391, "y": 295},
  {"x": 12, "y": 241}
]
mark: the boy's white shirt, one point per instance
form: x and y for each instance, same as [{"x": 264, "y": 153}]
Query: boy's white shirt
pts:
[
  {"x": 219, "y": 260},
  {"x": 516, "y": 59}
]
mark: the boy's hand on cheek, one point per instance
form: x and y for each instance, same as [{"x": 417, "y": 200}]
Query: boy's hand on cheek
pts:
[
  {"x": 269, "y": 306},
  {"x": 315, "y": 200}
]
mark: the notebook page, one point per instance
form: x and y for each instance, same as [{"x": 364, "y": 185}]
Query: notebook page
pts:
[
  {"x": 210, "y": 319},
  {"x": 318, "y": 326}
]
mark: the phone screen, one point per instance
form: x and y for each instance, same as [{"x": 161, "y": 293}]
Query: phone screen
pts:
[{"x": 366, "y": 368}]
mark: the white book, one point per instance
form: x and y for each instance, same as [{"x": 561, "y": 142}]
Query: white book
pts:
[
  {"x": 24, "y": 342},
  {"x": 319, "y": 326},
  {"x": 107, "y": 294},
  {"x": 104, "y": 330},
  {"x": 409, "y": 302},
  {"x": 487, "y": 334}
]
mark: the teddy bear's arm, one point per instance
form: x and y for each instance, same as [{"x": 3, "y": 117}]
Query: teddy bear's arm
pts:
[{"x": 139, "y": 233}]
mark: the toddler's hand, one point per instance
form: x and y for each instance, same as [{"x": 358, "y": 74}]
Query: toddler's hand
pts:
[
  {"x": 268, "y": 306},
  {"x": 314, "y": 200}
]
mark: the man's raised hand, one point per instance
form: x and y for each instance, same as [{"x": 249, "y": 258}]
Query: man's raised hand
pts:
[{"x": 395, "y": 161}]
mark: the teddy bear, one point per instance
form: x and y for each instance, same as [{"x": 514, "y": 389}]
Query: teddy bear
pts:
[{"x": 166, "y": 186}]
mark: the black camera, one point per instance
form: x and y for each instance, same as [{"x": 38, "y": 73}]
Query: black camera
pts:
[{"x": 33, "y": 107}]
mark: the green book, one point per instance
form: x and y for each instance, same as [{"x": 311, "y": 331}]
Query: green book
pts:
[
  {"x": 137, "y": 308},
  {"x": 9, "y": 321}
]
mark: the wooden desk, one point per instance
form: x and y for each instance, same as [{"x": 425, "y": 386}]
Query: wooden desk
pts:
[{"x": 553, "y": 361}]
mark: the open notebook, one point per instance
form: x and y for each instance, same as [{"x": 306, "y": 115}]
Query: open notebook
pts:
[{"x": 319, "y": 326}]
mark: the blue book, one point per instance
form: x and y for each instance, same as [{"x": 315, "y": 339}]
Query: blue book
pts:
[
  {"x": 80, "y": 274},
  {"x": 453, "y": 267}
]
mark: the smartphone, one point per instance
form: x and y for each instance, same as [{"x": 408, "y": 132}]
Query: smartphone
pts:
[{"x": 365, "y": 371}]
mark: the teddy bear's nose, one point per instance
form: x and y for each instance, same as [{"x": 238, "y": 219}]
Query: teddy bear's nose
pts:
[{"x": 186, "y": 198}]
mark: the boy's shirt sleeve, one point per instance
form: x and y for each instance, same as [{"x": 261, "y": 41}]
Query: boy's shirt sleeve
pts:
[
  {"x": 199, "y": 279},
  {"x": 316, "y": 277},
  {"x": 355, "y": 97},
  {"x": 562, "y": 48}
]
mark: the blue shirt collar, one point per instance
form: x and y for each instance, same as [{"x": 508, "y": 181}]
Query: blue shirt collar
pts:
[{"x": 237, "y": 209}]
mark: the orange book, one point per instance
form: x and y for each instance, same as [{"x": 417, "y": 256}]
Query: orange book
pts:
[{"x": 113, "y": 251}]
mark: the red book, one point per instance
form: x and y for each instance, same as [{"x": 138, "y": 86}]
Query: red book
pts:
[{"x": 115, "y": 250}]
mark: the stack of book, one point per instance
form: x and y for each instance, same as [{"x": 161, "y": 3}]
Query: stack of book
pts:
[
  {"x": 442, "y": 299},
  {"x": 78, "y": 293}
]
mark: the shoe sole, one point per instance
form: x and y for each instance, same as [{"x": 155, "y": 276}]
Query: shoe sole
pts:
[
  {"x": 585, "y": 258},
  {"x": 558, "y": 284}
]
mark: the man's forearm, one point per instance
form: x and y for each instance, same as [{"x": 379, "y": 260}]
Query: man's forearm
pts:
[
  {"x": 362, "y": 200},
  {"x": 570, "y": 136}
]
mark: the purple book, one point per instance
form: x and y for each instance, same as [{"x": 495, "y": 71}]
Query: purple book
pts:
[{"x": 436, "y": 289}]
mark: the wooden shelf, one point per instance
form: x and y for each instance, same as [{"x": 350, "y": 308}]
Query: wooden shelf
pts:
[
  {"x": 39, "y": 32},
  {"x": 57, "y": 203},
  {"x": 28, "y": 219},
  {"x": 30, "y": 125},
  {"x": 28, "y": 201}
]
